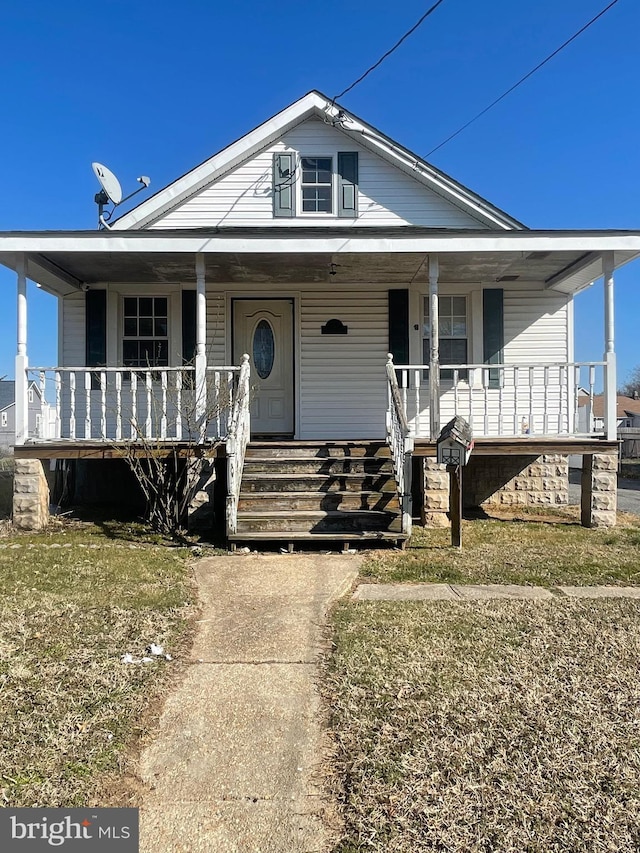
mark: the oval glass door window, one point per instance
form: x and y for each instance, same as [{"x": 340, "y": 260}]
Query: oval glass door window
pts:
[{"x": 263, "y": 349}]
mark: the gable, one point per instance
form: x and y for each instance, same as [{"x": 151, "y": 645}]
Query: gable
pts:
[
  {"x": 386, "y": 195},
  {"x": 244, "y": 185}
]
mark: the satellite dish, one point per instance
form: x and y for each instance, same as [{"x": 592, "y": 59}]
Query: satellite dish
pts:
[
  {"x": 111, "y": 192},
  {"x": 108, "y": 181}
]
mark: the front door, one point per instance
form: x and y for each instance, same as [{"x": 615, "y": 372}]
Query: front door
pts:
[{"x": 263, "y": 328}]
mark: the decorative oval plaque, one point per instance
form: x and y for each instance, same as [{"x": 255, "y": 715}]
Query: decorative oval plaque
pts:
[{"x": 263, "y": 349}]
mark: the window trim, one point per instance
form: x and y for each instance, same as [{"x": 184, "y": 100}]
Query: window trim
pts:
[{"x": 333, "y": 158}]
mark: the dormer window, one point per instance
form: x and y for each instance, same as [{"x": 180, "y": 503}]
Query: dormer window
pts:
[{"x": 317, "y": 184}]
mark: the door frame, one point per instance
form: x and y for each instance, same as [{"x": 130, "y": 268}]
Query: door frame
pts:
[{"x": 260, "y": 296}]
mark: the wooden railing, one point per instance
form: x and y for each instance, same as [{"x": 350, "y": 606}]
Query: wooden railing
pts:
[
  {"x": 238, "y": 438},
  {"x": 123, "y": 404},
  {"x": 504, "y": 399},
  {"x": 400, "y": 443}
]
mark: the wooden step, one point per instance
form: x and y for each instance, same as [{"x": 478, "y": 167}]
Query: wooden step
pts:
[
  {"x": 361, "y": 465},
  {"x": 306, "y": 536},
  {"x": 262, "y": 481},
  {"x": 264, "y": 450},
  {"x": 277, "y": 501},
  {"x": 335, "y": 522},
  {"x": 338, "y": 491}
]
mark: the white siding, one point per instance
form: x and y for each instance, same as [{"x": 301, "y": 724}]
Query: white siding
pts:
[
  {"x": 387, "y": 195},
  {"x": 535, "y": 326},
  {"x": 216, "y": 332},
  {"x": 342, "y": 377},
  {"x": 73, "y": 333}
]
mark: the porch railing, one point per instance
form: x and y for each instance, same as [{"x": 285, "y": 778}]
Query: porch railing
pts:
[
  {"x": 125, "y": 404},
  {"x": 504, "y": 399},
  {"x": 238, "y": 438},
  {"x": 401, "y": 445}
]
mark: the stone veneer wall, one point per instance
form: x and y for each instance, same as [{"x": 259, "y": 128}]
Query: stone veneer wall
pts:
[
  {"x": 517, "y": 481},
  {"x": 497, "y": 481},
  {"x": 30, "y": 495}
]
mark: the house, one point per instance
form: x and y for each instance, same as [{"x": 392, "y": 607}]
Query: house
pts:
[
  {"x": 39, "y": 414},
  {"x": 312, "y": 303},
  {"x": 591, "y": 412},
  {"x": 591, "y": 417}
]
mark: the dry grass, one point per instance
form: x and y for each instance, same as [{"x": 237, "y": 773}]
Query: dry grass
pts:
[
  {"x": 487, "y": 726},
  {"x": 540, "y": 549},
  {"x": 72, "y": 602}
]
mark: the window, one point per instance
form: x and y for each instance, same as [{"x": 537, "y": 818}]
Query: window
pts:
[
  {"x": 317, "y": 185},
  {"x": 452, "y": 327},
  {"x": 38, "y": 425},
  {"x": 31, "y": 395},
  {"x": 145, "y": 331},
  {"x": 3, "y": 419}
]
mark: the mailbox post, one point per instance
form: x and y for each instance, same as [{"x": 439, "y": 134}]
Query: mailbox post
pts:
[{"x": 453, "y": 449}]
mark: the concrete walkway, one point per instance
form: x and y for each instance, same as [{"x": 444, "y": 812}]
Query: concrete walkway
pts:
[
  {"x": 234, "y": 766},
  {"x": 482, "y": 592}
]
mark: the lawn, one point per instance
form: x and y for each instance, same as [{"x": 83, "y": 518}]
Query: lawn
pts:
[
  {"x": 72, "y": 602},
  {"x": 529, "y": 549},
  {"x": 477, "y": 727}
]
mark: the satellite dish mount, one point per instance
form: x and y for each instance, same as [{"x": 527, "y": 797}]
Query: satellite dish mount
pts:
[{"x": 111, "y": 192}]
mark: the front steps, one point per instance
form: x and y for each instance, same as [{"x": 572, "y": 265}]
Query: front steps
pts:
[{"x": 338, "y": 491}]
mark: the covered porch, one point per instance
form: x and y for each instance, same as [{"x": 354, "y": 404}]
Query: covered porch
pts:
[
  {"x": 501, "y": 392},
  {"x": 354, "y": 298}
]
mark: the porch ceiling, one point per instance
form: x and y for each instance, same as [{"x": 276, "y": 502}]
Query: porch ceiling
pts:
[
  {"x": 567, "y": 261},
  {"x": 284, "y": 268}
]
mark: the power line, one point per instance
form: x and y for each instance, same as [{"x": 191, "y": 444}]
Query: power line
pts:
[
  {"x": 389, "y": 52},
  {"x": 522, "y": 79}
]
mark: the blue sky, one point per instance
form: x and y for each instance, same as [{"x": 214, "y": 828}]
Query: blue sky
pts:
[{"x": 155, "y": 88}]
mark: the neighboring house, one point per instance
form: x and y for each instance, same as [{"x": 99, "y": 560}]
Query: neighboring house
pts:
[
  {"x": 316, "y": 245},
  {"x": 39, "y": 414},
  {"x": 591, "y": 417}
]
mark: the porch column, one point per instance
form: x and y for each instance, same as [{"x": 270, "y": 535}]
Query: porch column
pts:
[
  {"x": 22, "y": 362},
  {"x": 610, "y": 381},
  {"x": 201, "y": 340},
  {"x": 434, "y": 350}
]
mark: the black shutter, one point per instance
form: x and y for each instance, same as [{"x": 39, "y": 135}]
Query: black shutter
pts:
[
  {"x": 96, "y": 328},
  {"x": 399, "y": 325},
  {"x": 284, "y": 185},
  {"x": 188, "y": 326},
  {"x": 348, "y": 184},
  {"x": 493, "y": 331}
]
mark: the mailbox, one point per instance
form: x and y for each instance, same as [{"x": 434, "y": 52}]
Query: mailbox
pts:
[{"x": 455, "y": 443}]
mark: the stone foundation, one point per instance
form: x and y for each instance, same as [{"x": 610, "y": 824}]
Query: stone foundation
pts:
[
  {"x": 30, "y": 495},
  {"x": 599, "y": 490},
  {"x": 509, "y": 481}
]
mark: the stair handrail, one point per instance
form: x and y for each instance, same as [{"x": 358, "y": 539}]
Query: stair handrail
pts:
[
  {"x": 237, "y": 440},
  {"x": 401, "y": 444}
]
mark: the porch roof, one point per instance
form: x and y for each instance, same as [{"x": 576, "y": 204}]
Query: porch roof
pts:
[{"x": 61, "y": 261}]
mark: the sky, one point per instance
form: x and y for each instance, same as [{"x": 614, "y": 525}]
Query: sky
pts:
[{"x": 155, "y": 88}]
